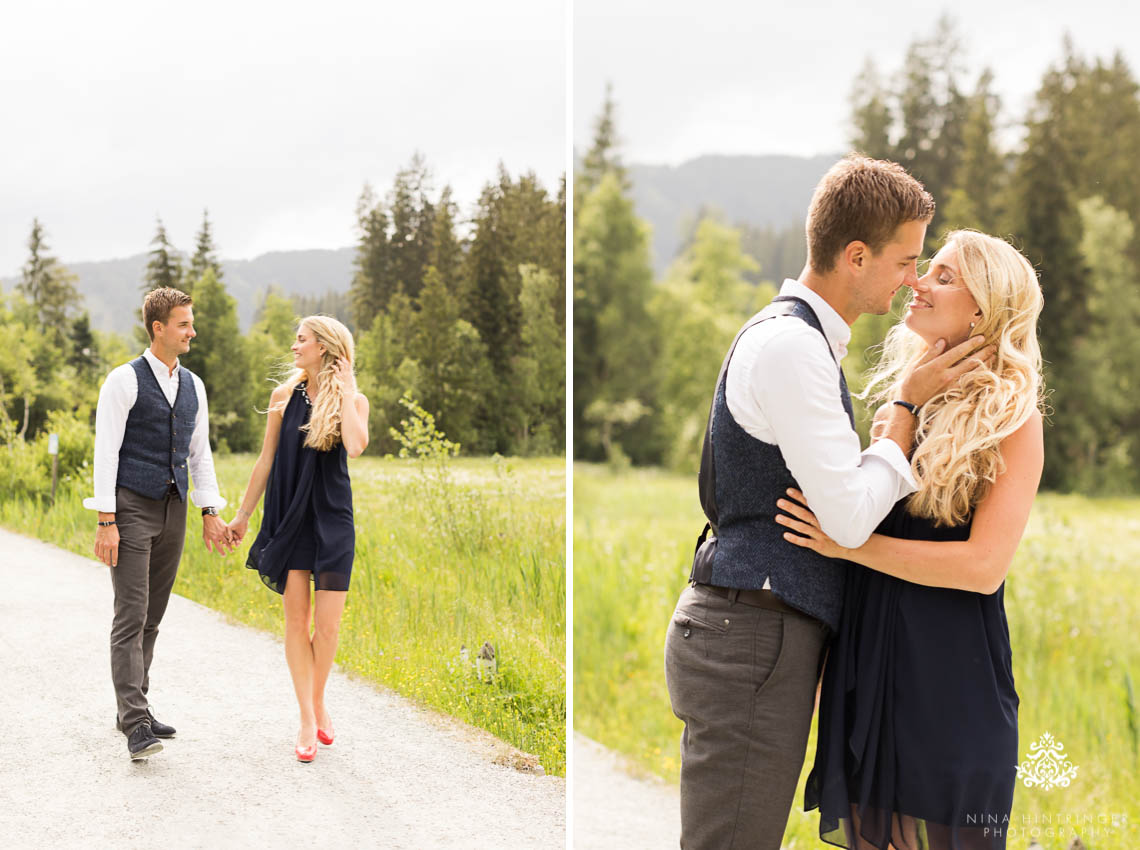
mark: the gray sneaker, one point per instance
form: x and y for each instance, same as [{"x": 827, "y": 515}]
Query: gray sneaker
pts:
[{"x": 141, "y": 743}]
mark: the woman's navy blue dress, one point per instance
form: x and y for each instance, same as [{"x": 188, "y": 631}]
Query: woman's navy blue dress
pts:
[
  {"x": 307, "y": 522},
  {"x": 918, "y": 712}
]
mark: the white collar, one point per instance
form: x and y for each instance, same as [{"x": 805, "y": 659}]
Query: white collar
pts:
[
  {"x": 159, "y": 368},
  {"x": 835, "y": 330}
]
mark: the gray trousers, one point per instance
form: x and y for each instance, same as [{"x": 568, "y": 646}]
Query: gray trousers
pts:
[
  {"x": 151, "y": 532},
  {"x": 743, "y": 681}
]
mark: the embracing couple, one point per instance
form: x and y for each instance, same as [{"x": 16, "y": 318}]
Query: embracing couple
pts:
[
  {"x": 889, "y": 562},
  {"x": 152, "y": 437}
]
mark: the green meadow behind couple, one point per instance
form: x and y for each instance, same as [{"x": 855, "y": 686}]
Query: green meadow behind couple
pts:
[
  {"x": 883, "y": 568},
  {"x": 152, "y": 439}
]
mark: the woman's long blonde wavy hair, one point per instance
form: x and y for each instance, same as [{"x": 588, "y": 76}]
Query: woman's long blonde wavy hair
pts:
[
  {"x": 957, "y": 453},
  {"x": 323, "y": 427}
]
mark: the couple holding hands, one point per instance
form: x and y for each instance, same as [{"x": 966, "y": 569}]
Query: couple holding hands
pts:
[{"x": 152, "y": 436}]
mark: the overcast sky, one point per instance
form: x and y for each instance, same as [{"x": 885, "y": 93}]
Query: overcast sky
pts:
[
  {"x": 273, "y": 115},
  {"x": 744, "y": 77}
]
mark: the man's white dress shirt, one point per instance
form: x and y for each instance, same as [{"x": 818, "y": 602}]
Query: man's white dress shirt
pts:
[
  {"x": 782, "y": 388},
  {"x": 116, "y": 398}
]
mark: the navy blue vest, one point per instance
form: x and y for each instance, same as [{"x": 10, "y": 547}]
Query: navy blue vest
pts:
[
  {"x": 156, "y": 441},
  {"x": 750, "y": 476}
]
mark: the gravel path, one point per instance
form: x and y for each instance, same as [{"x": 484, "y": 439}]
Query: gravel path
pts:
[
  {"x": 612, "y": 809},
  {"x": 397, "y": 777}
]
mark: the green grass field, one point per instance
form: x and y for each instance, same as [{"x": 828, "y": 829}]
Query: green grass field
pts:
[
  {"x": 476, "y": 556},
  {"x": 1072, "y": 597}
]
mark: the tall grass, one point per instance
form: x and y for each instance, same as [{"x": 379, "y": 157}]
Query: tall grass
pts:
[
  {"x": 1072, "y": 597},
  {"x": 480, "y": 556}
]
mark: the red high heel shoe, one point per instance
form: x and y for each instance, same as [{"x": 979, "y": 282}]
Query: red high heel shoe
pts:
[
  {"x": 324, "y": 737},
  {"x": 305, "y": 754}
]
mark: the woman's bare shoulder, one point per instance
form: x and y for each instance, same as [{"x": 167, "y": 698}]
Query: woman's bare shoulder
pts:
[
  {"x": 1032, "y": 428},
  {"x": 280, "y": 394},
  {"x": 1027, "y": 443}
]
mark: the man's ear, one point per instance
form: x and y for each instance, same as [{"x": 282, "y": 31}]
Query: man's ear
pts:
[{"x": 856, "y": 254}]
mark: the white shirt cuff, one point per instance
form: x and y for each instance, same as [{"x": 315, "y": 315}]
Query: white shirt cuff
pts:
[
  {"x": 93, "y": 504},
  {"x": 889, "y": 452},
  {"x": 207, "y": 499}
]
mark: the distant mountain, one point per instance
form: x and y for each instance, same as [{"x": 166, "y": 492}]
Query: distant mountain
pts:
[
  {"x": 761, "y": 191},
  {"x": 112, "y": 293}
]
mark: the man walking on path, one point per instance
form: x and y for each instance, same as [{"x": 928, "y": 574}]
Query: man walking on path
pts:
[
  {"x": 150, "y": 425},
  {"x": 744, "y": 650}
]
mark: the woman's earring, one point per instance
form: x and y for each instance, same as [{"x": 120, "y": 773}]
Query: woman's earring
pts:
[{"x": 972, "y": 325}]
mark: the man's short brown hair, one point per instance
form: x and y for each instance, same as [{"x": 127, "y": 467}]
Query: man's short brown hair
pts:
[
  {"x": 861, "y": 200},
  {"x": 158, "y": 304}
]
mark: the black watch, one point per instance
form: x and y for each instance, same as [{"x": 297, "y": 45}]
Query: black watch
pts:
[{"x": 209, "y": 511}]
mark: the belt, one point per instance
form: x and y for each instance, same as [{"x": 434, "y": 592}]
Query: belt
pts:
[{"x": 755, "y": 598}]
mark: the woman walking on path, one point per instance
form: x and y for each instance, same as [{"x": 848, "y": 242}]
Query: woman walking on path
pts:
[{"x": 315, "y": 419}]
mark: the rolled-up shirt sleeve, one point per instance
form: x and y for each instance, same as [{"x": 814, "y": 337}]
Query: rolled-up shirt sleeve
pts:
[
  {"x": 795, "y": 384},
  {"x": 116, "y": 398},
  {"x": 201, "y": 461}
]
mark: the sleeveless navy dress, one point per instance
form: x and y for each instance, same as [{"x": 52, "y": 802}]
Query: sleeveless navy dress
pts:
[
  {"x": 918, "y": 712},
  {"x": 307, "y": 522}
]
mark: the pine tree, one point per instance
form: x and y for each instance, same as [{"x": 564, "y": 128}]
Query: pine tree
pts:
[
  {"x": 446, "y": 254},
  {"x": 369, "y": 292},
  {"x": 616, "y": 347},
  {"x": 455, "y": 376},
  {"x": 219, "y": 356},
  {"x": 1106, "y": 403},
  {"x": 540, "y": 367},
  {"x": 331, "y": 303},
  {"x": 276, "y": 318},
  {"x": 387, "y": 369},
  {"x": 558, "y": 228},
  {"x": 395, "y": 241},
  {"x": 164, "y": 268},
  {"x": 516, "y": 222},
  {"x": 48, "y": 285},
  {"x": 871, "y": 117},
  {"x": 413, "y": 215},
  {"x": 1102, "y": 120},
  {"x": 698, "y": 308},
  {"x": 272, "y": 333},
  {"x": 602, "y": 158},
  {"x": 1045, "y": 224},
  {"x": 979, "y": 181},
  {"x": 931, "y": 111},
  {"x": 205, "y": 256},
  {"x": 437, "y": 312},
  {"x": 919, "y": 122},
  {"x": 84, "y": 356}
]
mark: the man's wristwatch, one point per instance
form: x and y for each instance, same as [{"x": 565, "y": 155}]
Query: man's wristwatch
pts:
[{"x": 209, "y": 511}]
